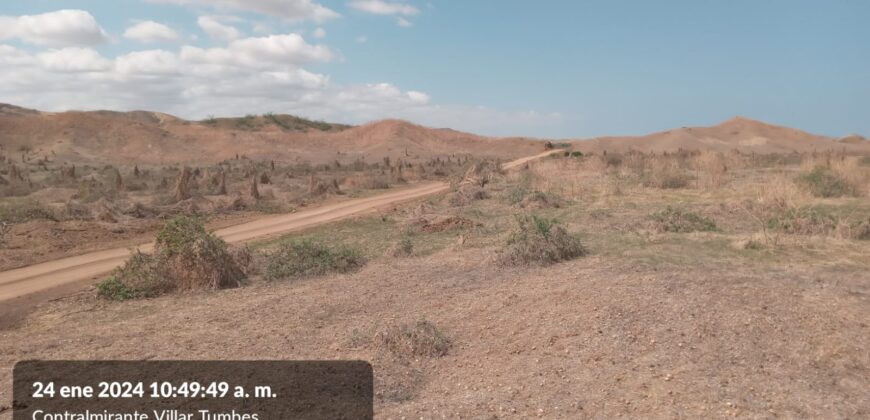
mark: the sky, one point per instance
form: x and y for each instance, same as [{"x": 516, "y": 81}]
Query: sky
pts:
[{"x": 554, "y": 69}]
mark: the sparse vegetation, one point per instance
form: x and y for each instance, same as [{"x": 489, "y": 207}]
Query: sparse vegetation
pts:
[
  {"x": 404, "y": 247},
  {"x": 25, "y": 211},
  {"x": 308, "y": 258},
  {"x": 679, "y": 220},
  {"x": 542, "y": 241},
  {"x": 803, "y": 221},
  {"x": 822, "y": 182},
  {"x": 419, "y": 339}
]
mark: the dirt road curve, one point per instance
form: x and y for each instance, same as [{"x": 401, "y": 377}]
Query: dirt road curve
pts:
[{"x": 22, "y": 282}]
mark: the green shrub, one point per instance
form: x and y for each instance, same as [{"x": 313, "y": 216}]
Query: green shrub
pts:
[
  {"x": 306, "y": 258},
  {"x": 682, "y": 221},
  {"x": 179, "y": 233},
  {"x": 822, "y": 182},
  {"x": 140, "y": 277},
  {"x": 541, "y": 241}
]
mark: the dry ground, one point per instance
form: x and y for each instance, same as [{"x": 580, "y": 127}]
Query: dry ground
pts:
[{"x": 650, "y": 324}]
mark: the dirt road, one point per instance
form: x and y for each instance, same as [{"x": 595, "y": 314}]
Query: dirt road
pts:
[{"x": 17, "y": 284}]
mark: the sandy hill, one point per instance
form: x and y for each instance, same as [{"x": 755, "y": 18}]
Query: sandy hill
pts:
[
  {"x": 740, "y": 133},
  {"x": 154, "y": 138},
  {"x": 853, "y": 139}
]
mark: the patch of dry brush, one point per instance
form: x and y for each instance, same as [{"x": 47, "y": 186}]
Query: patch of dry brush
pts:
[{"x": 186, "y": 257}]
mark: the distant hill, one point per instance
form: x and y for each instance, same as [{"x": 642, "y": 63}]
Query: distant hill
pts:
[
  {"x": 737, "y": 133},
  {"x": 144, "y": 137},
  {"x": 853, "y": 139},
  {"x": 155, "y": 138}
]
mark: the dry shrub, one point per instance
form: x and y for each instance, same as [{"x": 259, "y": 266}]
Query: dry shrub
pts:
[
  {"x": 186, "y": 257},
  {"x": 244, "y": 258},
  {"x": 665, "y": 172},
  {"x": 481, "y": 173},
  {"x": 25, "y": 211},
  {"x": 139, "y": 211},
  {"x": 420, "y": 339},
  {"x": 853, "y": 172},
  {"x": 367, "y": 182},
  {"x": 182, "y": 185},
  {"x": 711, "y": 169},
  {"x": 859, "y": 230},
  {"x": 404, "y": 247},
  {"x": 803, "y": 221},
  {"x": 318, "y": 187},
  {"x": 466, "y": 194},
  {"x": 681, "y": 221},
  {"x": 540, "y": 200},
  {"x": 770, "y": 200},
  {"x": 73, "y": 210},
  {"x": 540, "y": 241},
  {"x": 444, "y": 224}
]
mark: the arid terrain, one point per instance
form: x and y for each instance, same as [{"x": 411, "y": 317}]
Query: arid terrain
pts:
[{"x": 714, "y": 272}]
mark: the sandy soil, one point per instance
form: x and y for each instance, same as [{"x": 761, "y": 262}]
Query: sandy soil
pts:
[{"x": 593, "y": 338}]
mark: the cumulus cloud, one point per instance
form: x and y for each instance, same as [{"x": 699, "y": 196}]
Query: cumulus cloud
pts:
[
  {"x": 150, "y": 31},
  {"x": 294, "y": 10},
  {"x": 147, "y": 63},
  {"x": 218, "y": 30},
  {"x": 74, "y": 59},
  {"x": 61, "y": 28},
  {"x": 380, "y": 7},
  {"x": 290, "y": 49}
]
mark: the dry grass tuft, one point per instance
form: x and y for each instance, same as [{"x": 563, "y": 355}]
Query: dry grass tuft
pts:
[
  {"x": 420, "y": 339},
  {"x": 540, "y": 241},
  {"x": 403, "y": 248},
  {"x": 678, "y": 220}
]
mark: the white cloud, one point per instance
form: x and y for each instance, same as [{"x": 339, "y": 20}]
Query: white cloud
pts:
[
  {"x": 61, "y": 28},
  {"x": 288, "y": 49},
  {"x": 418, "y": 97},
  {"x": 319, "y": 33},
  {"x": 11, "y": 56},
  {"x": 405, "y": 23},
  {"x": 294, "y": 10},
  {"x": 148, "y": 63},
  {"x": 218, "y": 30},
  {"x": 150, "y": 31},
  {"x": 74, "y": 59},
  {"x": 380, "y": 7}
]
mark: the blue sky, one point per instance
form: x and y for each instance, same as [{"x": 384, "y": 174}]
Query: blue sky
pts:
[{"x": 509, "y": 67}]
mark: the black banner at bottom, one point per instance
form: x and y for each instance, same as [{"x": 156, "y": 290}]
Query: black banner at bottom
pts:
[{"x": 192, "y": 390}]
